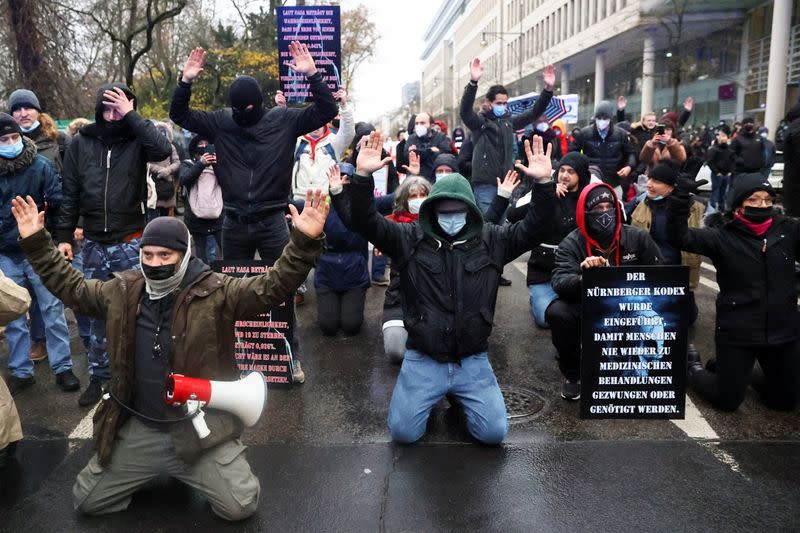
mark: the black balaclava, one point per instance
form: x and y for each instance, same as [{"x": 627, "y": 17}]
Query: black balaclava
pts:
[
  {"x": 601, "y": 226},
  {"x": 245, "y": 91},
  {"x": 116, "y": 128}
]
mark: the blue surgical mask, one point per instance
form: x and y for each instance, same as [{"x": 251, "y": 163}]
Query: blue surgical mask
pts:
[
  {"x": 498, "y": 110},
  {"x": 33, "y": 127},
  {"x": 452, "y": 223},
  {"x": 11, "y": 151},
  {"x": 414, "y": 204},
  {"x": 602, "y": 123},
  {"x": 542, "y": 127}
]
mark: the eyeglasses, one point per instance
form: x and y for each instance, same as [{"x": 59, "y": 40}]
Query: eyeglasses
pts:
[{"x": 755, "y": 202}]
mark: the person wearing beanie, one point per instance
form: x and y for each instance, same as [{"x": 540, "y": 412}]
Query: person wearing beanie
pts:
[
  {"x": 105, "y": 187},
  {"x": 754, "y": 250},
  {"x": 24, "y": 172},
  {"x": 255, "y": 151},
  {"x": 169, "y": 314},
  {"x": 748, "y": 149},
  {"x": 40, "y": 127},
  {"x": 450, "y": 263},
  {"x": 649, "y": 212},
  {"x": 599, "y": 240},
  {"x": 663, "y": 145},
  {"x": 572, "y": 175},
  {"x": 720, "y": 160},
  {"x": 493, "y": 136},
  {"x": 206, "y": 231},
  {"x": 608, "y": 147}
]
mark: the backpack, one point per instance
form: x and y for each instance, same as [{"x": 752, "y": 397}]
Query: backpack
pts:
[
  {"x": 205, "y": 197},
  {"x": 165, "y": 189}
]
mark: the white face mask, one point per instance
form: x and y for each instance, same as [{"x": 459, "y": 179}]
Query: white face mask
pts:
[
  {"x": 602, "y": 124},
  {"x": 414, "y": 204},
  {"x": 542, "y": 127},
  {"x": 421, "y": 130}
]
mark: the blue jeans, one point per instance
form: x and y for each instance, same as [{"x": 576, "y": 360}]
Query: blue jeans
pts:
[
  {"x": 719, "y": 186},
  {"x": 17, "y": 268},
  {"x": 423, "y": 382},
  {"x": 542, "y": 295},
  {"x": 100, "y": 261},
  {"x": 484, "y": 194}
]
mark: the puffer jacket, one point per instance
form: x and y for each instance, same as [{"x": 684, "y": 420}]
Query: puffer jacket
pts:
[
  {"x": 493, "y": 137},
  {"x": 31, "y": 175},
  {"x": 448, "y": 284},
  {"x": 748, "y": 153},
  {"x": 202, "y": 329},
  {"x": 757, "y": 300},
  {"x": 105, "y": 176},
  {"x": 610, "y": 154}
]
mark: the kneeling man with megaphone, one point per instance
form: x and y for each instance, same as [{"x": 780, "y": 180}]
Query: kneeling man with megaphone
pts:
[{"x": 167, "y": 323}]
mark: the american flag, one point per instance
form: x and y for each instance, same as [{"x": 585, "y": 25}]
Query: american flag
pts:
[{"x": 555, "y": 109}]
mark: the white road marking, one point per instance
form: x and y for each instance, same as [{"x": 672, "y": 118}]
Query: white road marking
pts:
[
  {"x": 84, "y": 428},
  {"x": 708, "y": 283},
  {"x": 708, "y": 266}
]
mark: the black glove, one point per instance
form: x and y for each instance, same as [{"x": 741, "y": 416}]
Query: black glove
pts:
[{"x": 688, "y": 185}]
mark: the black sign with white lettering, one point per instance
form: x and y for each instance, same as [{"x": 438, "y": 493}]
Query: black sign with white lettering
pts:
[
  {"x": 263, "y": 343},
  {"x": 634, "y": 339}
]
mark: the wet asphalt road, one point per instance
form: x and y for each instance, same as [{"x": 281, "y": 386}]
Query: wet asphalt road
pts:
[{"x": 326, "y": 463}]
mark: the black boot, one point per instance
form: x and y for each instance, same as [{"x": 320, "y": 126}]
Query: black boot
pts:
[{"x": 92, "y": 393}]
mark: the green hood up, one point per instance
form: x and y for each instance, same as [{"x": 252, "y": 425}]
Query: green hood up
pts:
[{"x": 452, "y": 187}]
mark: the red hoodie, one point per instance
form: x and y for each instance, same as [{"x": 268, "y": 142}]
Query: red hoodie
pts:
[{"x": 580, "y": 216}]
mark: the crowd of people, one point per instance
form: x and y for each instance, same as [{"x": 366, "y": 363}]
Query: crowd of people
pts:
[{"x": 92, "y": 221}]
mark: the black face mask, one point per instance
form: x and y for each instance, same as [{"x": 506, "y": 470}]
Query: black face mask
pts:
[
  {"x": 758, "y": 215},
  {"x": 601, "y": 226},
  {"x": 158, "y": 273},
  {"x": 247, "y": 117},
  {"x": 115, "y": 128}
]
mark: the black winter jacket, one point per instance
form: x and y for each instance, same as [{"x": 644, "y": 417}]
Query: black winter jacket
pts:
[
  {"x": 791, "y": 172},
  {"x": 636, "y": 248},
  {"x": 254, "y": 164},
  {"x": 720, "y": 159},
  {"x": 449, "y": 290},
  {"x": 748, "y": 153},
  {"x": 610, "y": 154},
  {"x": 424, "y": 148},
  {"x": 493, "y": 137},
  {"x": 104, "y": 180},
  {"x": 757, "y": 300}
]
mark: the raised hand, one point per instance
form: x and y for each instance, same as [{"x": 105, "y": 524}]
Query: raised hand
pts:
[
  {"x": 475, "y": 69},
  {"x": 312, "y": 219},
  {"x": 335, "y": 178},
  {"x": 29, "y": 218},
  {"x": 549, "y": 77},
  {"x": 510, "y": 183},
  {"x": 412, "y": 169},
  {"x": 688, "y": 103},
  {"x": 369, "y": 154},
  {"x": 194, "y": 65},
  {"x": 540, "y": 166},
  {"x": 280, "y": 99},
  {"x": 622, "y": 102},
  {"x": 302, "y": 61},
  {"x": 341, "y": 97},
  {"x": 118, "y": 100}
]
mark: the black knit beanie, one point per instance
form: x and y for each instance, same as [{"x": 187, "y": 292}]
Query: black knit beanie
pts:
[
  {"x": 8, "y": 125},
  {"x": 599, "y": 195},
  {"x": 743, "y": 185},
  {"x": 666, "y": 171},
  {"x": 579, "y": 163},
  {"x": 168, "y": 232}
]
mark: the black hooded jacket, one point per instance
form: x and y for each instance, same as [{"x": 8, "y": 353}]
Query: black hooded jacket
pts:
[
  {"x": 543, "y": 257},
  {"x": 635, "y": 247},
  {"x": 104, "y": 178},
  {"x": 610, "y": 154},
  {"x": 757, "y": 300},
  {"x": 748, "y": 153},
  {"x": 254, "y": 163}
]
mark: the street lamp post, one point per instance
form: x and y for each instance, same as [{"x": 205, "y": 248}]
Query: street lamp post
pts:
[{"x": 520, "y": 34}]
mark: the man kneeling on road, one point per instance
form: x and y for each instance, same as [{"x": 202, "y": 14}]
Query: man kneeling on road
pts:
[
  {"x": 450, "y": 263},
  {"x": 174, "y": 315}
]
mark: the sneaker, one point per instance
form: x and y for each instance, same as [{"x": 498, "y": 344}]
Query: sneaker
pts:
[
  {"x": 38, "y": 351},
  {"x": 16, "y": 385},
  {"x": 67, "y": 381},
  {"x": 92, "y": 393},
  {"x": 505, "y": 282},
  {"x": 693, "y": 362},
  {"x": 571, "y": 389},
  {"x": 298, "y": 376}
]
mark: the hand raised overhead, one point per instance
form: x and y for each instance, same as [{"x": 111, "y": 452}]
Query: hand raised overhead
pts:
[
  {"x": 312, "y": 219},
  {"x": 369, "y": 154},
  {"x": 194, "y": 65},
  {"x": 540, "y": 166}
]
